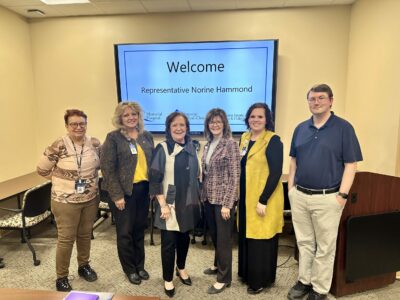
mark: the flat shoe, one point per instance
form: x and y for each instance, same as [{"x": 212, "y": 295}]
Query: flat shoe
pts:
[
  {"x": 212, "y": 290},
  {"x": 210, "y": 271},
  {"x": 144, "y": 274},
  {"x": 186, "y": 281},
  {"x": 252, "y": 291},
  {"x": 134, "y": 278}
]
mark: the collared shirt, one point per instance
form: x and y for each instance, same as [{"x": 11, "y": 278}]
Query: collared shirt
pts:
[{"x": 322, "y": 152}]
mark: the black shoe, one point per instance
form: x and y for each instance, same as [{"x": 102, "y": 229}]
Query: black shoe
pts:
[
  {"x": 313, "y": 295},
  {"x": 134, "y": 278},
  {"x": 212, "y": 290},
  {"x": 144, "y": 275},
  {"x": 298, "y": 291},
  {"x": 87, "y": 273},
  {"x": 62, "y": 284},
  {"x": 169, "y": 293},
  {"x": 186, "y": 281},
  {"x": 2, "y": 265},
  {"x": 210, "y": 271},
  {"x": 252, "y": 291}
]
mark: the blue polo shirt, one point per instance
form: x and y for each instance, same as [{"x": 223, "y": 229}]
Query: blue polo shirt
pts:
[{"x": 321, "y": 153}]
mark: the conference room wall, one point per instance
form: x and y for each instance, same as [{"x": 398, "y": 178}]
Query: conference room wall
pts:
[
  {"x": 373, "y": 92},
  {"x": 18, "y": 149},
  {"x": 73, "y": 58}
]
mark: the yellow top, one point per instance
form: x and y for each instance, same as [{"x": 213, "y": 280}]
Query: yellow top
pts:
[
  {"x": 141, "y": 167},
  {"x": 257, "y": 172}
]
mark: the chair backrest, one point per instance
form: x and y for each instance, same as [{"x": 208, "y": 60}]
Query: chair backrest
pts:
[{"x": 37, "y": 200}]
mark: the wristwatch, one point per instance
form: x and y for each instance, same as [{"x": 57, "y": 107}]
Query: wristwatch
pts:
[{"x": 343, "y": 195}]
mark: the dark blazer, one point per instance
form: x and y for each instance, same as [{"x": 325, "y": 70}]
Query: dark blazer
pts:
[
  {"x": 118, "y": 164},
  {"x": 221, "y": 182}
]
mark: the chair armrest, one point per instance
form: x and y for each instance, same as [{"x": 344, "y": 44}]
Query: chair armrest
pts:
[{"x": 16, "y": 210}]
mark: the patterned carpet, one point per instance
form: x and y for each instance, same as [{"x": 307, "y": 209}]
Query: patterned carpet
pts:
[{"x": 20, "y": 272}]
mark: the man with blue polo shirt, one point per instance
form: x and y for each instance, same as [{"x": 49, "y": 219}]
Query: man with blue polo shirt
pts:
[{"x": 324, "y": 155}]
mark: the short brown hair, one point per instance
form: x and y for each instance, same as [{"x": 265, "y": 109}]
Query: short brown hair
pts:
[
  {"x": 321, "y": 88},
  {"x": 74, "y": 112},
  {"x": 217, "y": 112},
  {"x": 171, "y": 117}
]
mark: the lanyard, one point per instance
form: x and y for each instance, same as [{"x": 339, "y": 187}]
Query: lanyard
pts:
[{"x": 78, "y": 161}]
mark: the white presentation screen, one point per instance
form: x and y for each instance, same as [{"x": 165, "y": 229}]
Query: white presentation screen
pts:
[{"x": 196, "y": 77}]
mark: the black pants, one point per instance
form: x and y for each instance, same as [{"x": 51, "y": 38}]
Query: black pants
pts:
[
  {"x": 221, "y": 234},
  {"x": 172, "y": 241},
  {"x": 130, "y": 224}
]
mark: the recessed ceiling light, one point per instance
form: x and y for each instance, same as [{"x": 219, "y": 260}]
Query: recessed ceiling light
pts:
[{"x": 57, "y": 2}]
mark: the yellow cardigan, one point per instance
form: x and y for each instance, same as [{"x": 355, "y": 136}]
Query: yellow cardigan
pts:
[{"x": 257, "y": 172}]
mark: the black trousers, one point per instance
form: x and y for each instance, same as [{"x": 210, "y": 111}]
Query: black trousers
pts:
[
  {"x": 130, "y": 225},
  {"x": 171, "y": 242},
  {"x": 220, "y": 231}
]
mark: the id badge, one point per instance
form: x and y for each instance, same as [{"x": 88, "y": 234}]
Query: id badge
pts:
[
  {"x": 80, "y": 186},
  {"x": 243, "y": 152},
  {"x": 133, "y": 148}
]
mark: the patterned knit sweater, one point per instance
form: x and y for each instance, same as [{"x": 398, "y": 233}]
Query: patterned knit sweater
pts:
[{"x": 59, "y": 163}]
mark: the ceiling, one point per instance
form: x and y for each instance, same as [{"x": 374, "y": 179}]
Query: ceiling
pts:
[{"x": 117, "y": 7}]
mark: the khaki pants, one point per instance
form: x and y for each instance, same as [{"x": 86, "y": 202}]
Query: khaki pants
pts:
[
  {"x": 74, "y": 222},
  {"x": 316, "y": 221}
]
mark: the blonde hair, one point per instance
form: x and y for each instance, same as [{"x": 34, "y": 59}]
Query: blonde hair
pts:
[{"x": 119, "y": 110}]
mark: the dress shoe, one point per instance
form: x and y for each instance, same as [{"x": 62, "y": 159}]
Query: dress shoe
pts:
[
  {"x": 186, "y": 281},
  {"x": 313, "y": 295},
  {"x": 87, "y": 273},
  {"x": 252, "y": 291},
  {"x": 298, "y": 291},
  {"x": 62, "y": 284},
  {"x": 144, "y": 275},
  {"x": 134, "y": 278},
  {"x": 212, "y": 290},
  {"x": 169, "y": 293},
  {"x": 210, "y": 271}
]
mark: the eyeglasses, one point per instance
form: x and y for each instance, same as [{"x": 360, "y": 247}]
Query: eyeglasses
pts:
[
  {"x": 215, "y": 123},
  {"x": 75, "y": 125},
  {"x": 317, "y": 99}
]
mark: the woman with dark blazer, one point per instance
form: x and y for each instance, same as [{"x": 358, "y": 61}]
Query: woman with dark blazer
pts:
[
  {"x": 125, "y": 160},
  {"x": 221, "y": 172},
  {"x": 174, "y": 178}
]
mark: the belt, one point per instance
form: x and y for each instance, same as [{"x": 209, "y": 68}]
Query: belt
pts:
[{"x": 317, "y": 192}]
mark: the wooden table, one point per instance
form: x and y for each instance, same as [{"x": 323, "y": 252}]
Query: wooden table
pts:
[
  {"x": 18, "y": 185},
  {"x": 23, "y": 294}
]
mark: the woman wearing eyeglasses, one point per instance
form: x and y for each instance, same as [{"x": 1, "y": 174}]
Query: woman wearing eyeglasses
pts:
[
  {"x": 72, "y": 163},
  {"x": 221, "y": 172},
  {"x": 125, "y": 160}
]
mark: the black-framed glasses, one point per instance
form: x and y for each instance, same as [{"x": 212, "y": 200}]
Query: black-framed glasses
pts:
[
  {"x": 76, "y": 125},
  {"x": 317, "y": 99}
]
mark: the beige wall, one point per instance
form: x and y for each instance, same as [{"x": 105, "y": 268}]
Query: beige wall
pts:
[
  {"x": 354, "y": 49},
  {"x": 373, "y": 94},
  {"x": 17, "y": 102},
  {"x": 74, "y": 59}
]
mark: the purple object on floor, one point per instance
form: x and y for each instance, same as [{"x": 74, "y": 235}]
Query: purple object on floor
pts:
[{"x": 81, "y": 296}]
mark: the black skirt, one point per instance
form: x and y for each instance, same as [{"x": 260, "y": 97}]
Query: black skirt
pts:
[{"x": 257, "y": 257}]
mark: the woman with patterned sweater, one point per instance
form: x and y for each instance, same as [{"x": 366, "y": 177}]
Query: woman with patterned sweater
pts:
[
  {"x": 72, "y": 163},
  {"x": 221, "y": 172}
]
